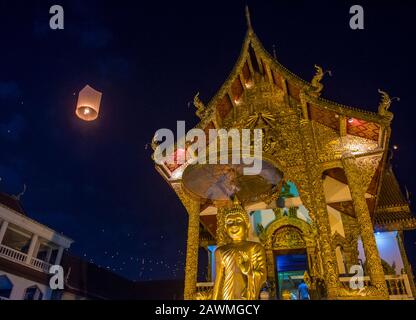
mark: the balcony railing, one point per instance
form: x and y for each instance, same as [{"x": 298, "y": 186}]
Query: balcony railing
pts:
[
  {"x": 40, "y": 265},
  {"x": 22, "y": 258},
  {"x": 397, "y": 285},
  {"x": 12, "y": 254}
]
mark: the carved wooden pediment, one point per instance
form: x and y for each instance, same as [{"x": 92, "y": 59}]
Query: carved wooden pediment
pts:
[{"x": 288, "y": 238}]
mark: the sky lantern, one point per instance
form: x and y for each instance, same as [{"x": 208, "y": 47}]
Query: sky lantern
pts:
[{"x": 88, "y": 105}]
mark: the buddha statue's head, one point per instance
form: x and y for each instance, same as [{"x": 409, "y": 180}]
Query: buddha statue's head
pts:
[
  {"x": 236, "y": 227},
  {"x": 236, "y": 222}
]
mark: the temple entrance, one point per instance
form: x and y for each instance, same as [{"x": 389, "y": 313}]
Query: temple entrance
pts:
[{"x": 290, "y": 268}]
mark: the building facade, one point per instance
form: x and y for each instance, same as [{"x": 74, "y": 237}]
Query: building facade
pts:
[
  {"x": 326, "y": 206},
  {"x": 27, "y": 251}
]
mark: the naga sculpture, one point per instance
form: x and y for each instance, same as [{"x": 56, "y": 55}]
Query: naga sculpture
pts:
[
  {"x": 385, "y": 102},
  {"x": 316, "y": 81}
]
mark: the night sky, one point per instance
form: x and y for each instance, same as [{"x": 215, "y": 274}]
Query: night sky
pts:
[{"x": 95, "y": 181}]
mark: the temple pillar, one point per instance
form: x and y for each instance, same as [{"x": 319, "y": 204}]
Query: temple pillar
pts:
[
  {"x": 271, "y": 271},
  {"x": 192, "y": 244},
  {"x": 406, "y": 263},
  {"x": 359, "y": 172},
  {"x": 351, "y": 244},
  {"x": 329, "y": 262},
  {"x": 312, "y": 261},
  {"x": 192, "y": 248},
  {"x": 308, "y": 179}
]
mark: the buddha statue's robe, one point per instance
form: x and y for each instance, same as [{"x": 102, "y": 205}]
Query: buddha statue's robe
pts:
[{"x": 231, "y": 283}]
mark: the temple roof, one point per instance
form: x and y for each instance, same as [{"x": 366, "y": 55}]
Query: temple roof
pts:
[
  {"x": 393, "y": 210},
  {"x": 390, "y": 193},
  {"x": 254, "y": 60},
  {"x": 256, "y": 68},
  {"x": 400, "y": 220}
]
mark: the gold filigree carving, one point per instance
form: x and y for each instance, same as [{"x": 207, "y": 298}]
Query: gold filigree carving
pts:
[
  {"x": 200, "y": 106},
  {"x": 288, "y": 237},
  {"x": 359, "y": 172}
]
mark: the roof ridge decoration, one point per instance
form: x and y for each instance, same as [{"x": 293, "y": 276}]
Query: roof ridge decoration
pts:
[
  {"x": 316, "y": 80},
  {"x": 248, "y": 19},
  {"x": 343, "y": 109},
  {"x": 255, "y": 62},
  {"x": 385, "y": 103},
  {"x": 200, "y": 107},
  {"x": 19, "y": 195}
]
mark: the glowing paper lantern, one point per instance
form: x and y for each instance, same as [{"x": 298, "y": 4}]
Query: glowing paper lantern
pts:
[{"x": 88, "y": 105}]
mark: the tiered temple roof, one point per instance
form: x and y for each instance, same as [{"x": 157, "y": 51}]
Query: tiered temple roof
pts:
[
  {"x": 393, "y": 210},
  {"x": 389, "y": 209},
  {"x": 254, "y": 59}
]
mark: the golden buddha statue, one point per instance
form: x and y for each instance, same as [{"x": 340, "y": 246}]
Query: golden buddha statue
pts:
[{"x": 240, "y": 264}]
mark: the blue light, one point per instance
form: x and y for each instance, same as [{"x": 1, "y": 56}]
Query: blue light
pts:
[{"x": 291, "y": 262}]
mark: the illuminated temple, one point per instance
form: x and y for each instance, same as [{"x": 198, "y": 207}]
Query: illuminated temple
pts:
[{"x": 326, "y": 202}]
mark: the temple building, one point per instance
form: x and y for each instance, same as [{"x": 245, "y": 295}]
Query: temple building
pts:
[{"x": 326, "y": 206}]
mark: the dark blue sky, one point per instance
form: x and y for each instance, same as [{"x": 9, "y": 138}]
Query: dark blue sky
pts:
[{"x": 95, "y": 182}]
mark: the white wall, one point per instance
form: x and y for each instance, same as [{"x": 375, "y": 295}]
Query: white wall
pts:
[
  {"x": 21, "y": 284},
  {"x": 340, "y": 260},
  {"x": 335, "y": 191},
  {"x": 335, "y": 221},
  {"x": 264, "y": 217},
  {"x": 388, "y": 249}
]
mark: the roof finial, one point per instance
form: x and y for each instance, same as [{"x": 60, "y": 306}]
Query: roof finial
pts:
[
  {"x": 236, "y": 201},
  {"x": 274, "y": 51},
  {"x": 17, "y": 197},
  {"x": 385, "y": 102},
  {"x": 408, "y": 194},
  {"x": 248, "y": 18},
  {"x": 316, "y": 81}
]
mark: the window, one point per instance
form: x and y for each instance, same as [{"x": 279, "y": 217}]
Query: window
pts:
[
  {"x": 33, "y": 293},
  {"x": 6, "y": 287}
]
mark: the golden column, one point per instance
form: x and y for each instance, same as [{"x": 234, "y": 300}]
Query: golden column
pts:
[
  {"x": 309, "y": 182},
  {"x": 324, "y": 240},
  {"x": 271, "y": 276},
  {"x": 192, "y": 245},
  {"x": 359, "y": 172}
]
